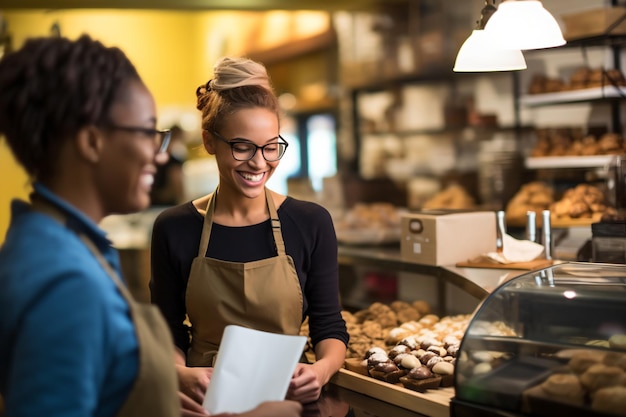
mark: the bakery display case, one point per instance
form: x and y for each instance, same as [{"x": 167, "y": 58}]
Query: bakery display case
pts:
[{"x": 547, "y": 342}]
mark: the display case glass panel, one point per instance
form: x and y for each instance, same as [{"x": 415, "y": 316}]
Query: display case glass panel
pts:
[{"x": 548, "y": 342}]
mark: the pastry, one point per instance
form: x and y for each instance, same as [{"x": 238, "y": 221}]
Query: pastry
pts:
[
  {"x": 534, "y": 196},
  {"x": 387, "y": 371},
  {"x": 446, "y": 371},
  {"x": 544, "y": 399},
  {"x": 398, "y": 349},
  {"x": 581, "y": 360},
  {"x": 611, "y": 400},
  {"x": 600, "y": 376},
  {"x": 618, "y": 341},
  {"x": 377, "y": 358},
  {"x": 565, "y": 388},
  {"x": 615, "y": 359},
  {"x": 420, "y": 379},
  {"x": 580, "y": 78},
  {"x": 409, "y": 362}
]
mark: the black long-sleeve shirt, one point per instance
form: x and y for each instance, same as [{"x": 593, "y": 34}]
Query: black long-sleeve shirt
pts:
[{"x": 310, "y": 240}]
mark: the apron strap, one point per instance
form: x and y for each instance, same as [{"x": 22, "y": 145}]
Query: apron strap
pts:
[
  {"x": 278, "y": 236},
  {"x": 206, "y": 225},
  {"x": 208, "y": 221}
]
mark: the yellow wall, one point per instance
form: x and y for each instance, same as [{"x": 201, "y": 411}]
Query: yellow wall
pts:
[{"x": 174, "y": 52}]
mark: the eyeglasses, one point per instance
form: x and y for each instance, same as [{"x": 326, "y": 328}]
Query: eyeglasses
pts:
[
  {"x": 161, "y": 138},
  {"x": 244, "y": 151}
]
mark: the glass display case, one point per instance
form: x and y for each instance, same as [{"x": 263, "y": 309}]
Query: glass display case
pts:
[{"x": 548, "y": 342}]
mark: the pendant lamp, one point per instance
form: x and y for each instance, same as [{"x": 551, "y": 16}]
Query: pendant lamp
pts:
[
  {"x": 479, "y": 53},
  {"x": 524, "y": 24}
]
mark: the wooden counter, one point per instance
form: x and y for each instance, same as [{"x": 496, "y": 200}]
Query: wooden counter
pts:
[{"x": 433, "y": 403}]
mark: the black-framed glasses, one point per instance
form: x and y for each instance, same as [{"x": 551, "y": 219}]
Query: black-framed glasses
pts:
[
  {"x": 244, "y": 150},
  {"x": 161, "y": 138}
]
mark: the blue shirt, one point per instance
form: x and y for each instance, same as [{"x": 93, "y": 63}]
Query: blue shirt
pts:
[{"x": 67, "y": 343}]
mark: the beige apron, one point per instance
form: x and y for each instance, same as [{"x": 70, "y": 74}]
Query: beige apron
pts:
[
  {"x": 263, "y": 295},
  {"x": 155, "y": 390}
]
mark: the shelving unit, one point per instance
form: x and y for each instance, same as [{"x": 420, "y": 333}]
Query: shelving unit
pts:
[{"x": 601, "y": 167}]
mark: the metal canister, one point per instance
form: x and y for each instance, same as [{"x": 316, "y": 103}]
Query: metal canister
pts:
[
  {"x": 548, "y": 243},
  {"x": 531, "y": 226},
  {"x": 500, "y": 231}
]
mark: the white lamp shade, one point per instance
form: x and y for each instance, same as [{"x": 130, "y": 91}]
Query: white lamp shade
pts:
[
  {"x": 524, "y": 24},
  {"x": 479, "y": 53}
]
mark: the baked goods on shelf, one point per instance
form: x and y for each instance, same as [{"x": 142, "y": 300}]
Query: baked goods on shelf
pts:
[
  {"x": 422, "y": 351},
  {"x": 591, "y": 380},
  {"x": 369, "y": 223},
  {"x": 541, "y": 84},
  {"x": 585, "y": 201},
  {"x": 454, "y": 196},
  {"x": 581, "y": 78},
  {"x": 533, "y": 196},
  {"x": 420, "y": 379},
  {"x": 573, "y": 142}
]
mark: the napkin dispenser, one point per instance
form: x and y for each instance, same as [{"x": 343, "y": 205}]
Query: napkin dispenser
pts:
[{"x": 445, "y": 237}]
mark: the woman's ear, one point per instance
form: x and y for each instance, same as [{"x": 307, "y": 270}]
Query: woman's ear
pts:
[
  {"x": 209, "y": 142},
  {"x": 89, "y": 142}
]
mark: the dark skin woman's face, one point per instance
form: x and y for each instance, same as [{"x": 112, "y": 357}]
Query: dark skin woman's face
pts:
[{"x": 130, "y": 159}]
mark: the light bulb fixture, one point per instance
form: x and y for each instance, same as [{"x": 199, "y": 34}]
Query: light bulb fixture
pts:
[
  {"x": 524, "y": 24},
  {"x": 480, "y": 54}
]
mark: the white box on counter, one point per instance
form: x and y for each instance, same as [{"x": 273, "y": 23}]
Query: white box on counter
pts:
[{"x": 445, "y": 237}]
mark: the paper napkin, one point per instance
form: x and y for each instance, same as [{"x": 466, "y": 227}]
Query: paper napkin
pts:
[{"x": 514, "y": 250}]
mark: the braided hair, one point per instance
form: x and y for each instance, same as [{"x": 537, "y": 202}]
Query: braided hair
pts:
[
  {"x": 53, "y": 87},
  {"x": 238, "y": 83}
]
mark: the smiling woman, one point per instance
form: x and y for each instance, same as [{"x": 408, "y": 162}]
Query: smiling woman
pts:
[
  {"x": 245, "y": 254},
  {"x": 52, "y": 121}
]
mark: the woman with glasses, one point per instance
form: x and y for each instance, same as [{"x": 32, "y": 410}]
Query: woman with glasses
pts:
[
  {"x": 73, "y": 342},
  {"x": 244, "y": 254}
]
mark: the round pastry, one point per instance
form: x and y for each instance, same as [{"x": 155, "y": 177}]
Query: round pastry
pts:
[
  {"x": 374, "y": 350},
  {"x": 446, "y": 371},
  {"x": 438, "y": 350},
  {"x": 615, "y": 359},
  {"x": 410, "y": 342},
  {"x": 398, "y": 358},
  {"x": 453, "y": 350},
  {"x": 420, "y": 379},
  {"x": 427, "y": 356},
  {"x": 398, "y": 349},
  {"x": 600, "y": 376},
  {"x": 387, "y": 371},
  {"x": 555, "y": 390},
  {"x": 611, "y": 400},
  {"x": 564, "y": 387},
  {"x": 408, "y": 314},
  {"x": 421, "y": 306},
  {"x": 398, "y": 305},
  {"x": 583, "y": 359},
  {"x": 618, "y": 341},
  {"x": 482, "y": 368},
  {"x": 481, "y": 356},
  {"x": 434, "y": 360},
  {"x": 410, "y": 362},
  {"x": 580, "y": 78},
  {"x": 377, "y": 358}
]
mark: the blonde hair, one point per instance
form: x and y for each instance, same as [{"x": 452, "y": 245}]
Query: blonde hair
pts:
[{"x": 238, "y": 83}]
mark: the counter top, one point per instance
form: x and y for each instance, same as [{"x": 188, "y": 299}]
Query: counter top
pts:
[{"x": 478, "y": 282}]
